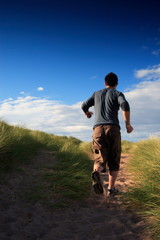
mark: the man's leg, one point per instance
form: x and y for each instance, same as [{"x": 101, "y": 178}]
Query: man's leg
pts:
[
  {"x": 97, "y": 146},
  {"x": 112, "y": 179},
  {"x": 96, "y": 178},
  {"x": 114, "y": 143},
  {"x": 98, "y": 161},
  {"x": 97, "y": 167}
]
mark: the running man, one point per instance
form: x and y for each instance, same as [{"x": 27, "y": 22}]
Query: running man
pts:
[{"x": 106, "y": 131}]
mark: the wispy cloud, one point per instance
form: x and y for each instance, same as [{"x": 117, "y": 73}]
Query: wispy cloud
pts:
[
  {"x": 144, "y": 47},
  {"x": 157, "y": 40},
  {"x": 156, "y": 52},
  {"x": 93, "y": 77},
  {"x": 144, "y": 100},
  {"x": 40, "y": 89},
  {"x": 145, "y": 111},
  {"x": 149, "y": 73}
]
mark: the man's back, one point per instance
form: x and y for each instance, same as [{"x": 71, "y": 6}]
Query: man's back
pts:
[{"x": 106, "y": 103}]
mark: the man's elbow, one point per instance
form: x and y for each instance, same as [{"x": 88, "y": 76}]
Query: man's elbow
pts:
[
  {"x": 125, "y": 106},
  {"x": 84, "y": 108}
]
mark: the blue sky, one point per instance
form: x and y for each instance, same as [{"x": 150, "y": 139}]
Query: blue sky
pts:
[{"x": 55, "y": 54}]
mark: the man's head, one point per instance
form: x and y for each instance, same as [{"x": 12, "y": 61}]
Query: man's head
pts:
[{"x": 111, "y": 79}]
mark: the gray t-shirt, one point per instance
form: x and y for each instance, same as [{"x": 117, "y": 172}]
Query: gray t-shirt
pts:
[{"x": 106, "y": 104}]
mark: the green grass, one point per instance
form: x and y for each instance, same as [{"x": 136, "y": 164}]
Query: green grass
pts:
[
  {"x": 71, "y": 176},
  {"x": 127, "y": 146},
  {"x": 16, "y": 144},
  {"x": 57, "y": 183},
  {"x": 144, "y": 196}
]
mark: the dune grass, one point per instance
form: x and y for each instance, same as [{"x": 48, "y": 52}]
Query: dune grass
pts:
[
  {"x": 144, "y": 196},
  {"x": 16, "y": 144},
  {"x": 67, "y": 179},
  {"x": 127, "y": 146}
]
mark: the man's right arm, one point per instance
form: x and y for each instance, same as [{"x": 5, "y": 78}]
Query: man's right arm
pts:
[
  {"x": 126, "y": 112},
  {"x": 126, "y": 116},
  {"x": 86, "y": 105}
]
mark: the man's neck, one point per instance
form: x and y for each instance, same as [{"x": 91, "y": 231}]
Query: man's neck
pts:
[{"x": 110, "y": 87}]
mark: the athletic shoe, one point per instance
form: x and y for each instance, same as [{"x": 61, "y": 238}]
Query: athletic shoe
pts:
[
  {"x": 112, "y": 191},
  {"x": 104, "y": 170},
  {"x": 97, "y": 186}
]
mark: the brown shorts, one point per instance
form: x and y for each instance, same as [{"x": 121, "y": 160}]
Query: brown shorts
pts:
[{"x": 107, "y": 146}]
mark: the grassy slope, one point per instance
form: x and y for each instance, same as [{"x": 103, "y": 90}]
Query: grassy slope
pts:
[
  {"x": 144, "y": 196},
  {"x": 69, "y": 177}
]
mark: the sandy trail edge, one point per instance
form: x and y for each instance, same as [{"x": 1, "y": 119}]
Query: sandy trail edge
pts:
[{"x": 98, "y": 218}]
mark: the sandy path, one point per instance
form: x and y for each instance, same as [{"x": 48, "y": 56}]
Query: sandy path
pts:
[{"x": 98, "y": 218}]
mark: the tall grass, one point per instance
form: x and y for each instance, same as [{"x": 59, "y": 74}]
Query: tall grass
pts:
[
  {"x": 69, "y": 176},
  {"x": 16, "y": 144},
  {"x": 127, "y": 146},
  {"x": 145, "y": 195}
]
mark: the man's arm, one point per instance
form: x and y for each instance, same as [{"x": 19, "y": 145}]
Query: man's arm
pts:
[
  {"x": 126, "y": 116},
  {"x": 86, "y": 105},
  {"x": 89, "y": 114},
  {"x": 125, "y": 111}
]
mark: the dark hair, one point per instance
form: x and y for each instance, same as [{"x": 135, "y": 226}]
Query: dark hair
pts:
[{"x": 111, "y": 79}]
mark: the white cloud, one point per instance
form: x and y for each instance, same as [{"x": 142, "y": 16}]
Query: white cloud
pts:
[
  {"x": 40, "y": 89},
  {"x": 47, "y": 115},
  {"x": 144, "y": 101},
  {"x": 62, "y": 119},
  {"x": 149, "y": 73}
]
